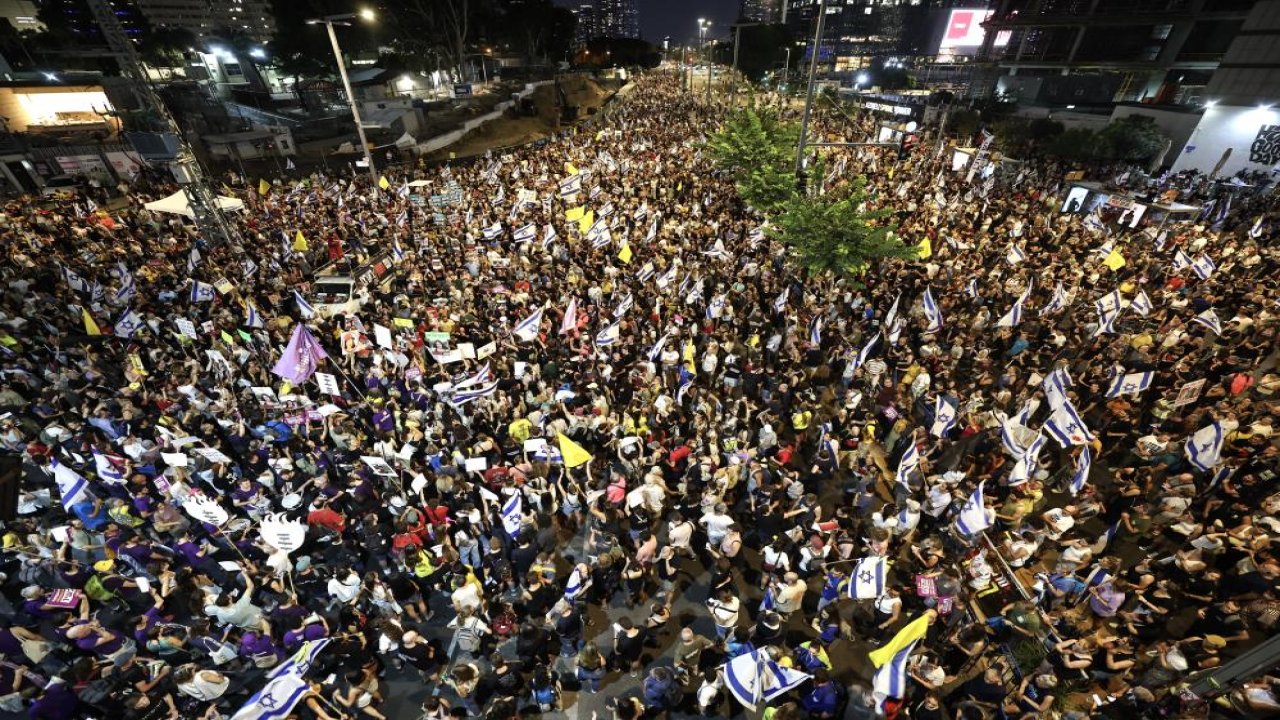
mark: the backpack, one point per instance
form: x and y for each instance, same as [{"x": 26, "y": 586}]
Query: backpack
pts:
[
  {"x": 97, "y": 591},
  {"x": 467, "y": 638},
  {"x": 546, "y": 697}
]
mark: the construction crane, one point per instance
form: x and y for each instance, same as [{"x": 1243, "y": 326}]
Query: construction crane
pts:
[{"x": 185, "y": 167}]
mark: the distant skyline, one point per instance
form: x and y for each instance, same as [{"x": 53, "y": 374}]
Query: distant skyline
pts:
[{"x": 679, "y": 18}]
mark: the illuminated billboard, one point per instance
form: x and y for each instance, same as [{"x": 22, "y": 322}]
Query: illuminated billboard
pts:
[{"x": 964, "y": 30}]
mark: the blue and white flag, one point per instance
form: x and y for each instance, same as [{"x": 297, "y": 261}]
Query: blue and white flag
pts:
[
  {"x": 1204, "y": 448},
  {"x": 462, "y": 397},
  {"x": 1067, "y": 427},
  {"x": 1130, "y": 383},
  {"x": 1057, "y": 302},
  {"x": 867, "y": 581},
  {"x": 526, "y": 233},
  {"x": 944, "y": 417},
  {"x": 1026, "y": 464},
  {"x": 1141, "y": 303},
  {"x": 892, "y": 315},
  {"x": 624, "y": 305},
  {"x": 1014, "y": 254},
  {"x": 865, "y": 353},
  {"x": 932, "y": 312},
  {"x": 1204, "y": 267},
  {"x": 895, "y": 330},
  {"x": 548, "y": 235},
  {"x": 527, "y": 329},
  {"x": 252, "y": 318},
  {"x": 1108, "y": 307},
  {"x": 890, "y": 680},
  {"x": 973, "y": 516},
  {"x": 1180, "y": 260},
  {"x": 1209, "y": 319},
  {"x": 1081, "y": 475},
  {"x": 1055, "y": 386},
  {"x": 907, "y": 465},
  {"x": 815, "y": 330},
  {"x": 106, "y": 468},
  {"x": 481, "y": 376},
  {"x": 193, "y": 259},
  {"x": 511, "y": 514},
  {"x": 304, "y": 307},
  {"x": 129, "y": 324},
  {"x": 610, "y": 334},
  {"x": 202, "y": 292},
  {"x": 972, "y": 288},
  {"x": 715, "y": 308},
  {"x": 571, "y": 185},
  {"x": 666, "y": 278},
  {"x": 646, "y": 273},
  {"x": 767, "y": 602},
  {"x": 1014, "y": 316},
  {"x": 780, "y": 303},
  {"x": 1012, "y": 432},
  {"x": 72, "y": 487},
  {"x": 656, "y": 350},
  {"x": 653, "y": 231},
  {"x": 276, "y": 700},
  {"x": 752, "y": 678},
  {"x": 493, "y": 231},
  {"x": 301, "y": 661},
  {"x": 576, "y": 585},
  {"x": 1255, "y": 231}
]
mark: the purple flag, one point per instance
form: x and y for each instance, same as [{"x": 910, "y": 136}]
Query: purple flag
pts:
[{"x": 301, "y": 357}]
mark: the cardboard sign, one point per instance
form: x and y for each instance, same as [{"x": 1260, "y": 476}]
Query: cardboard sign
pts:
[
  {"x": 328, "y": 384},
  {"x": 186, "y": 327},
  {"x": 486, "y": 350},
  {"x": 382, "y": 336},
  {"x": 477, "y": 464},
  {"x": 1189, "y": 393},
  {"x": 378, "y": 466}
]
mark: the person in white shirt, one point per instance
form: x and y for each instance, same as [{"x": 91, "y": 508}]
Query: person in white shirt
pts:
[
  {"x": 724, "y": 613},
  {"x": 345, "y": 587},
  {"x": 716, "y": 523},
  {"x": 679, "y": 533},
  {"x": 788, "y": 595}
]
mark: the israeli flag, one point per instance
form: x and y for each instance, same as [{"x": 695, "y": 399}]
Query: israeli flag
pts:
[
  {"x": 1081, "y": 475},
  {"x": 1067, "y": 427},
  {"x": 72, "y": 486},
  {"x": 1014, "y": 316},
  {"x": 666, "y": 278},
  {"x": 626, "y": 304},
  {"x": 129, "y": 324},
  {"x": 656, "y": 350},
  {"x": 865, "y": 353},
  {"x": 1255, "y": 231},
  {"x": 576, "y": 585},
  {"x": 1108, "y": 307},
  {"x": 526, "y": 233},
  {"x": 304, "y": 307},
  {"x": 892, "y": 315},
  {"x": 895, "y": 330},
  {"x": 527, "y": 329},
  {"x": 128, "y": 289},
  {"x": 1204, "y": 448},
  {"x": 571, "y": 186},
  {"x": 1141, "y": 304},
  {"x": 511, "y": 514},
  {"x": 1011, "y": 432},
  {"x": 715, "y": 308},
  {"x": 890, "y": 680},
  {"x": 1204, "y": 267},
  {"x": 867, "y": 582},
  {"x": 972, "y": 289},
  {"x": 463, "y": 397},
  {"x": 973, "y": 516},
  {"x": 610, "y": 334},
  {"x": 483, "y": 375},
  {"x": 1057, "y": 302},
  {"x": 1130, "y": 383},
  {"x": 1014, "y": 255},
  {"x": 193, "y": 259},
  {"x": 276, "y": 700},
  {"x": 1055, "y": 386},
  {"x": 1180, "y": 260},
  {"x": 932, "y": 312},
  {"x": 908, "y": 464},
  {"x": 493, "y": 231},
  {"x": 653, "y": 231},
  {"x": 106, "y": 469},
  {"x": 755, "y": 236},
  {"x": 600, "y": 238},
  {"x": 646, "y": 273},
  {"x": 252, "y": 318},
  {"x": 815, "y": 330},
  {"x": 548, "y": 235},
  {"x": 202, "y": 292},
  {"x": 944, "y": 417},
  {"x": 301, "y": 661},
  {"x": 780, "y": 303},
  {"x": 752, "y": 678},
  {"x": 1027, "y": 463},
  {"x": 1209, "y": 319}
]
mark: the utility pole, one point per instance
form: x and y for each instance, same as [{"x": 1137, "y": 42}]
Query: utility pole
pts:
[
  {"x": 733, "y": 78},
  {"x": 185, "y": 167},
  {"x": 808, "y": 98}
]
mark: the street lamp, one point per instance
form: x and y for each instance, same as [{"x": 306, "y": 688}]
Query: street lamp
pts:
[
  {"x": 703, "y": 26},
  {"x": 329, "y": 21}
]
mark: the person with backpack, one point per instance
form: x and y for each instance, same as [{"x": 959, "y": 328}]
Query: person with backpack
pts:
[
  {"x": 661, "y": 693},
  {"x": 544, "y": 685},
  {"x": 469, "y": 632}
]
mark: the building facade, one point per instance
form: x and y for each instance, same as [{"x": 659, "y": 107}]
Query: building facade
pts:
[
  {"x": 1089, "y": 51},
  {"x": 210, "y": 17},
  {"x": 617, "y": 19},
  {"x": 857, "y": 32},
  {"x": 21, "y": 14},
  {"x": 761, "y": 11}
]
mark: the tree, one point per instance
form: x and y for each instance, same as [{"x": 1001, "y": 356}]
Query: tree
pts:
[
  {"x": 167, "y": 46},
  {"x": 835, "y": 233},
  {"x": 759, "y": 150},
  {"x": 1076, "y": 144},
  {"x": 1133, "y": 139}
]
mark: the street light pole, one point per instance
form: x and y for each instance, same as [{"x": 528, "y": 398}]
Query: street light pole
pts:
[
  {"x": 329, "y": 21},
  {"x": 808, "y": 98}
]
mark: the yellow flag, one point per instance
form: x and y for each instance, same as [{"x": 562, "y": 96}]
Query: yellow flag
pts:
[
  {"x": 680, "y": 186},
  {"x": 402, "y": 322},
  {"x": 90, "y": 326},
  {"x": 383, "y": 183},
  {"x": 625, "y": 253},
  {"x": 891, "y": 171},
  {"x": 264, "y": 187},
  {"x": 227, "y": 338},
  {"x": 570, "y": 168},
  {"x": 575, "y": 214},
  {"x": 227, "y": 190},
  {"x": 1115, "y": 260},
  {"x": 572, "y": 452},
  {"x": 909, "y": 633},
  {"x": 586, "y": 221},
  {"x": 299, "y": 242},
  {"x": 285, "y": 387},
  {"x": 925, "y": 249}
]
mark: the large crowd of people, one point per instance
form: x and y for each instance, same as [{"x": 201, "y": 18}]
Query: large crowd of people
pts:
[{"x": 583, "y": 421}]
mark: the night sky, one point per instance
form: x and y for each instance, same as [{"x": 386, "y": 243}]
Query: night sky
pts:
[{"x": 679, "y": 18}]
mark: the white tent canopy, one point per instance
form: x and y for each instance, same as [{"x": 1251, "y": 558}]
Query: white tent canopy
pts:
[{"x": 176, "y": 204}]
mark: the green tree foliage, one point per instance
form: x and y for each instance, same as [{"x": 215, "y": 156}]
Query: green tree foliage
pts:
[
  {"x": 1076, "y": 144},
  {"x": 1134, "y": 139},
  {"x": 835, "y": 233},
  {"x": 759, "y": 149}
]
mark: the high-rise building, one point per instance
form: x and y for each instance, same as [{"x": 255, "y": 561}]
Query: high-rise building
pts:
[
  {"x": 856, "y": 32},
  {"x": 21, "y": 14},
  {"x": 74, "y": 19},
  {"x": 617, "y": 19},
  {"x": 211, "y": 17},
  {"x": 586, "y": 28},
  {"x": 761, "y": 11},
  {"x": 1086, "y": 51}
]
